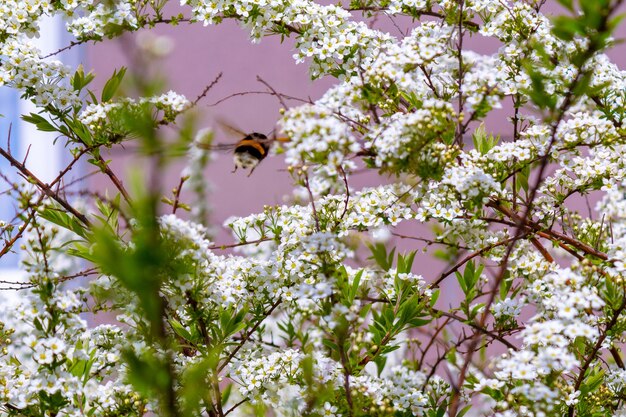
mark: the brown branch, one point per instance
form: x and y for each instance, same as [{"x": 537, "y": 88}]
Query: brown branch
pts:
[
  {"x": 346, "y": 378},
  {"x": 245, "y": 93},
  {"x": 432, "y": 340},
  {"x": 273, "y": 92},
  {"x": 558, "y": 115},
  {"x": 616, "y": 357},
  {"x": 145, "y": 23},
  {"x": 459, "y": 128},
  {"x": 231, "y": 409},
  {"x": 177, "y": 192},
  {"x": 546, "y": 233},
  {"x": 544, "y": 252},
  {"x": 9, "y": 243},
  {"x": 248, "y": 334},
  {"x": 347, "y": 200},
  {"x": 206, "y": 90},
  {"x": 429, "y": 241},
  {"x": 65, "y": 48},
  {"x": 469, "y": 257},
  {"x": 44, "y": 187},
  {"x": 418, "y": 13},
  {"x": 114, "y": 179},
  {"x": 596, "y": 348},
  {"x": 308, "y": 188},
  {"x": 476, "y": 326},
  {"x": 235, "y": 245}
]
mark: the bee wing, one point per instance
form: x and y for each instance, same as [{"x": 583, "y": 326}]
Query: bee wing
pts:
[
  {"x": 229, "y": 128},
  {"x": 223, "y": 147}
]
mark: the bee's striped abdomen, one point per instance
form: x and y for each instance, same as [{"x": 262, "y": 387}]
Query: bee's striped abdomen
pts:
[{"x": 253, "y": 148}]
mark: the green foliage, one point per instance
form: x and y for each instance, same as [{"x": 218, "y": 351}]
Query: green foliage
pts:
[
  {"x": 112, "y": 84},
  {"x": 80, "y": 80},
  {"x": 40, "y": 122},
  {"x": 483, "y": 143},
  {"x": 379, "y": 254},
  {"x": 468, "y": 283}
]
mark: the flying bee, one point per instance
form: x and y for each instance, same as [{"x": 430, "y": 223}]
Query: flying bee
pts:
[{"x": 251, "y": 150}]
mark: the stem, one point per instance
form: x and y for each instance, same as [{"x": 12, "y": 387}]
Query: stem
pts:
[{"x": 45, "y": 188}]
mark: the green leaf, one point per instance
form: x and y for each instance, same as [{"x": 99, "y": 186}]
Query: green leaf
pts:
[
  {"x": 94, "y": 99},
  {"x": 79, "y": 80},
  {"x": 464, "y": 410},
  {"x": 566, "y": 28},
  {"x": 461, "y": 280},
  {"x": 226, "y": 393},
  {"x": 231, "y": 323},
  {"x": 40, "y": 122},
  {"x": 434, "y": 297},
  {"x": 380, "y": 361},
  {"x": 180, "y": 330},
  {"x": 354, "y": 288},
  {"x": 146, "y": 373},
  {"x": 380, "y": 256},
  {"x": 57, "y": 216},
  {"x": 405, "y": 263},
  {"x": 506, "y": 284},
  {"x": 112, "y": 85}
]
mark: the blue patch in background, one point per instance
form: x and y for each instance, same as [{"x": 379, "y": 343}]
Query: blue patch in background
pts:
[{"x": 9, "y": 110}]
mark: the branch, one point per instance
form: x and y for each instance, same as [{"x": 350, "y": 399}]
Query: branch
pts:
[
  {"x": 234, "y": 245},
  {"x": 546, "y": 233},
  {"x": 44, "y": 187},
  {"x": 273, "y": 92},
  {"x": 248, "y": 334},
  {"x": 417, "y": 13},
  {"x": 308, "y": 188},
  {"x": 477, "y": 327},
  {"x": 596, "y": 348},
  {"x": 206, "y": 90},
  {"x": 469, "y": 257}
]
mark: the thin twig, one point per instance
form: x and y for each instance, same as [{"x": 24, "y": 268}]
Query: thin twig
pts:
[
  {"x": 478, "y": 327},
  {"x": 44, "y": 187},
  {"x": 308, "y": 188},
  {"x": 206, "y": 90},
  {"x": 347, "y": 199},
  {"x": 245, "y": 93},
  {"x": 177, "y": 192},
  {"x": 234, "y": 245},
  {"x": 274, "y": 92},
  {"x": 248, "y": 334},
  {"x": 469, "y": 257}
]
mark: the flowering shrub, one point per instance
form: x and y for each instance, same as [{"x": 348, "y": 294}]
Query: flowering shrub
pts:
[{"x": 296, "y": 322}]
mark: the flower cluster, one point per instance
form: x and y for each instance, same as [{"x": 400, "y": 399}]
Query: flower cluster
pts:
[
  {"x": 325, "y": 33},
  {"x": 112, "y": 120},
  {"x": 100, "y": 19},
  {"x": 403, "y": 390},
  {"x": 96, "y": 115},
  {"x": 21, "y": 68},
  {"x": 54, "y": 361},
  {"x": 563, "y": 299}
]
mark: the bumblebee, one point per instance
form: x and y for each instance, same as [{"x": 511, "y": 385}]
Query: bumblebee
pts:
[{"x": 251, "y": 150}]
